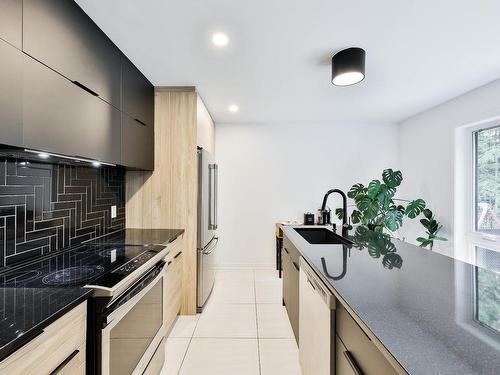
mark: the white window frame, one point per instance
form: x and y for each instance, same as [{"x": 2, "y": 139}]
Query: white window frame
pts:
[{"x": 466, "y": 237}]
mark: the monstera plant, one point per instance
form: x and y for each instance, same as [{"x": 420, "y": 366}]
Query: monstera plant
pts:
[{"x": 376, "y": 208}]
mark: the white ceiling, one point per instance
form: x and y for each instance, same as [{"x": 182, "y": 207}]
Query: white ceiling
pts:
[{"x": 276, "y": 67}]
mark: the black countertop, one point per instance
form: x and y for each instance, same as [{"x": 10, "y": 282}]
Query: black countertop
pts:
[
  {"x": 24, "y": 311},
  {"x": 421, "y": 305},
  {"x": 133, "y": 236}
]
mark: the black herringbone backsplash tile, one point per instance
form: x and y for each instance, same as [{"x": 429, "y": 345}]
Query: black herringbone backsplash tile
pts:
[{"x": 45, "y": 207}]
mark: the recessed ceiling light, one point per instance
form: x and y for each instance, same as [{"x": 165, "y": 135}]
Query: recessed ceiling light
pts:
[
  {"x": 233, "y": 108},
  {"x": 220, "y": 39},
  {"x": 43, "y": 155}
]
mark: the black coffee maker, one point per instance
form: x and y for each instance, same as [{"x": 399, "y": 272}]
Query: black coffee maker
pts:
[{"x": 324, "y": 216}]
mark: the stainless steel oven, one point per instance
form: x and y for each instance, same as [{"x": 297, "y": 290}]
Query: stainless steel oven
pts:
[{"x": 132, "y": 326}]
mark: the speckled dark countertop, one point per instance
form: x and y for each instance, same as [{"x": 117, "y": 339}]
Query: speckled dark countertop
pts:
[
  {"x": 133, "y": 236},
  {"x": 25, "y": 312},
  {"x": 421, "y": 305}
]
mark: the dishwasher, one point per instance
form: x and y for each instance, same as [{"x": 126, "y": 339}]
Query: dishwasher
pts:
[{"x": 316, "y": 324}]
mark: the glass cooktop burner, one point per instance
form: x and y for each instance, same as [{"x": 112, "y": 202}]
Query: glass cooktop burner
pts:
[{"x": 72, "y": 275}]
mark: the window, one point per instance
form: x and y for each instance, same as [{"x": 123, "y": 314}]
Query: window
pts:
[
  {"x": 487, "y": 289},
  {"x": 487, "y": 180}
]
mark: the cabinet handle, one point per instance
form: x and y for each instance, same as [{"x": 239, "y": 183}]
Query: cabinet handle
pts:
[
  {"x": 83, "y": 87},
  {"x": 310, "y": 283},
  {"x": 296, "y": 266},
  {"x": 352, "y": 363},
  {"x": 286, "y": 250},
  {"x": 178, "y": 254},
  {"x": 140, "y": 122},
  {"x": 65, "y": 362}
]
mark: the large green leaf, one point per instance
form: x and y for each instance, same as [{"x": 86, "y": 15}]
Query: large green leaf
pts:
[
  {"x": 339, "y": 212},
  {"x": 356, "y": 216},
  {"x": 356, "y": 190},
  {"x": 373, "y": 188},
  {"x": 362, "y": 202},
  {"x": 385, "y": 195},
  {"x": 414, "y": 208},
  {"x": 392, "y": 178},
  {"x": 428, "y": 213},
  {"x": 393, "y": 219}
]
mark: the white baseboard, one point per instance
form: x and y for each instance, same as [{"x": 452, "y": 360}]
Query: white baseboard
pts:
[{"x": 245, "y": 266}]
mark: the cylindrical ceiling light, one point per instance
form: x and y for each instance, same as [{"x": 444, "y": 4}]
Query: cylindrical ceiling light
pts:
[{"x": 348, "y": 66}]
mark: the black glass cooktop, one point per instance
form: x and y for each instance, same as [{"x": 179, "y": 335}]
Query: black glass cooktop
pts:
[{"x": 103, "y": 265}]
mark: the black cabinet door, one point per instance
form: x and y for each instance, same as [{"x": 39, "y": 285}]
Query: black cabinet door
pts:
[
  {"x": 11, "y": 21},
  {"x": 137, "y": 144},
  {"x": 60, "y": 35},
  {"x": 138, "y": 93},
  {"x": 11, "y": 94},
  {"x": 60, "y": 117}
]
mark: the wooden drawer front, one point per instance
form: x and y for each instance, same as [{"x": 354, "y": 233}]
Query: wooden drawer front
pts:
[
  {"x": 291, "y": 249},
  {"x": 49, "y": 350},
  {"x": 363, "y": 352},
  {"x": 342, "y": 365},
  {"x": 156, "y": 363},
  {"x": 174, "y": 248},
  {"x": 173, "y": 289}
]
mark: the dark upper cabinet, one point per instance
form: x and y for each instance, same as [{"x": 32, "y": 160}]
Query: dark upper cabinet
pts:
[
  {"x": 137, "y": 144},
  {"x": 11, "y": 21},
  {"x": 11, "y": 94},
  {"x": 60, "y": 35},
  {"x": 60, "y": 117},
  {"x": 138, "y": 93}
]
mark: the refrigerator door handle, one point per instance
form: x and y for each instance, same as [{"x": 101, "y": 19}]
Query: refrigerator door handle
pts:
[
  {"x": 211, "y": 248},
  {"x": 212, "y": 196},
  {"x": 216, "y": 194}
]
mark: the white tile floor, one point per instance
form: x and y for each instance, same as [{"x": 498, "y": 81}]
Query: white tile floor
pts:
[{"x": 243, "y": 330}]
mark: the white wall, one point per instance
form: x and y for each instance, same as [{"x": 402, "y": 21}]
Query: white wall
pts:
[
  {"x": 274, "y": 172},
  {"x": 427, "y": 153}
]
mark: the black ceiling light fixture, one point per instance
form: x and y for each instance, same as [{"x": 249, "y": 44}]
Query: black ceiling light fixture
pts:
[{"x": 348, "y": 66}]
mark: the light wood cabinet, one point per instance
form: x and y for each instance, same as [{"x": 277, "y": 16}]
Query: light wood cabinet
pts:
[
  {"x": 290, "y": 263},
  {"x": 173, "y": 284},
  {"x": 167, "y": 197},
  {"x": 360, "y": 352},
  {"x": 11, "y": 22},
  {"x": 60, "y": 348}
]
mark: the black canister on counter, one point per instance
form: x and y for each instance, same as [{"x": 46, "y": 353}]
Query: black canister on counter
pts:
[{"x": 308, "y": 218}]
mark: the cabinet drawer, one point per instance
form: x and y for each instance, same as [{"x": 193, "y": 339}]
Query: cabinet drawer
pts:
[
  {"x": 54, "y": 348},
  {"x": 60, "y": 35},
  {"x": 173, "y": 288},
  {"x": 342, "y": 364},
  {"x": 291, "y": 250},
  {"x": 369, "y": 359}
]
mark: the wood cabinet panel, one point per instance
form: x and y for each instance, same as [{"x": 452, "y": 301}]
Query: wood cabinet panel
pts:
[
  {"x": 11, "y": 95},
  {"x": 369, "y": 359},
  {"x": 11, "y": 22},
  {"x": 173, "y": 287},
  {"x": 60, "y": 35},
  {"x": 50, "y": 349},
  {"x": 60, "y": 117},
  {"x": 291, "y": 290},
  {"x": 342, "y": 365}
]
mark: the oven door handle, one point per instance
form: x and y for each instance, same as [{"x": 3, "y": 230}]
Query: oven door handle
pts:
[{"x": 121, "y": 311}]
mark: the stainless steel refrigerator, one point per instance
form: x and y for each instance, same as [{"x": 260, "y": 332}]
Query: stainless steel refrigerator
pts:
[{"x": 207, "y": 224}]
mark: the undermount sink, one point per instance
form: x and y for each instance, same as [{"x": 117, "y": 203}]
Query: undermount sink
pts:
[{"x": 321, "y": 236}]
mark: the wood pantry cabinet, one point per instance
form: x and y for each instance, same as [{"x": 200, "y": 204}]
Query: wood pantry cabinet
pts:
[{"x": 60, "y": 348}]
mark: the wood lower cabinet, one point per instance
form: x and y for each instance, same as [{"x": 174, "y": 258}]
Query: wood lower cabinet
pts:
[
  {"x": 173, "y": 284},
  {"x": 291, "y": 288},
  {"x": 59, "y": 349},
  {"x": 357, "y": 350}
]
